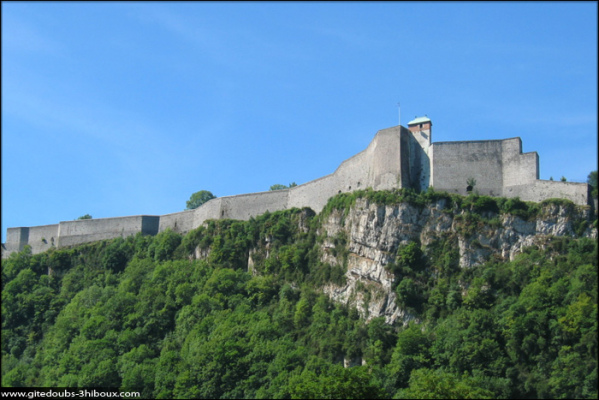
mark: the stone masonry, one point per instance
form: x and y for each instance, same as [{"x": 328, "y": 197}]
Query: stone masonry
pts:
[{"x": 397, "y": 157}]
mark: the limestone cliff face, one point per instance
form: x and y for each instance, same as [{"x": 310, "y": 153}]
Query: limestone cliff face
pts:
[{"x": 373, "y": 233}]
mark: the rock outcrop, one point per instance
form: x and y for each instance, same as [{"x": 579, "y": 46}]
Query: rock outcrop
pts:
[{"x": 373, "y": 233}]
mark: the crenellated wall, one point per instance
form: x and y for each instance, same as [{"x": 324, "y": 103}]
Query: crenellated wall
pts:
[{"x": 396, "y": 158}]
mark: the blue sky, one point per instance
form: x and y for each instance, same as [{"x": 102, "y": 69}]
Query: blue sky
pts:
[{"x": 121, "y": 108}]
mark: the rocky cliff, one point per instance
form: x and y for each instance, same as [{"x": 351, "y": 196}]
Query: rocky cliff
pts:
[{"x": 366, "y": 237}]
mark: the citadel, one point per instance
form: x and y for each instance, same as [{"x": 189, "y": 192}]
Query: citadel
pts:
[{"x": 397, "y": 157}]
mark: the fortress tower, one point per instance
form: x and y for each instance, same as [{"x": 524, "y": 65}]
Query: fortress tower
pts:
[
  {"x": 420, "y": 154},
  {"x": 421, "y": 126}
]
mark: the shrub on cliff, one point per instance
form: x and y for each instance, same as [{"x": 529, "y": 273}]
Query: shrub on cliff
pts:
[{"x": 139, "y": 313}]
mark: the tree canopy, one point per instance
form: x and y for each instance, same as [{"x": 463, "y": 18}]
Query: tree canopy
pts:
[
  {"x": 278, "y": 186},
  {"x": 199, "y": 198},
  {"x": 143, "y": 313}
]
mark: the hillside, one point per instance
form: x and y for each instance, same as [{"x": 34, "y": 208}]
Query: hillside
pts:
[{"x": 383, "y": 294}]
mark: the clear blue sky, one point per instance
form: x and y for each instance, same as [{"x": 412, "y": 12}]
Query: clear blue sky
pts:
[{"x": 118, "y": 109}]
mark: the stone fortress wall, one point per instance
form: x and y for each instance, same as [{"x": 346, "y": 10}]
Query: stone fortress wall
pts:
[
  {"x": 397, "y": 157},
  {"x": 500, "y": 169}
]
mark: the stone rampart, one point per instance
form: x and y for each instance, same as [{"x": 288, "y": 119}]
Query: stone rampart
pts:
[
  {"x": 72, "y": 233},
  {"x": 180, "y": 222},
  {"x": 42, "y": 238},
  {"x": 244, "y": 206},
  {"x": 16, "y": 239},
  {"x": 209, "y": 210},
  {"x": 539, "y": 190},
  {"x": 419, "y": 159},
  {"x": 378, "y": 166},
  {"x": 315, "y": 193},
  {"x": 386, "y": 160},
  {"x": 396, "y": 158},
  {"x": 518, "y": 168},
  {"x": 354, "y": 173},
  {"x": 455, "y": 162}
]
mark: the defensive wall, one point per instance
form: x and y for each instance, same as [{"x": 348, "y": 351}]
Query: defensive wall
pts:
[
  {"x": 397, "y": 157},
  {"x": 539, "y": 190},
  {"x": 486, "y": 161},
  {"x": 40, "y": 238},
  {"x": 76, "y": 232},
  {"x": 70, "y": 233},
  {"x": 500, "y": 169}
]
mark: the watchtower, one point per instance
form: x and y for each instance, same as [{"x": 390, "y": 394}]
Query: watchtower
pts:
[
  {"x": 422, "y": 125},
  {"x": 420, "y": 153}
]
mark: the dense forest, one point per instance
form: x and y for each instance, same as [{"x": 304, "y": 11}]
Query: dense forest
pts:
[{"x": 177, "y": 316}]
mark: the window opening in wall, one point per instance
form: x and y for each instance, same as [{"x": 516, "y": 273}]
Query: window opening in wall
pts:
[
  {"x": 469, "y": 188},
  {"x": 339, "y": 192},
  {"x": 349, "y": 188},
  {"x": 222, "y": 213}
]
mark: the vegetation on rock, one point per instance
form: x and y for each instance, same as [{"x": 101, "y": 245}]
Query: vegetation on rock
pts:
[{"x": 235, "y": 309}]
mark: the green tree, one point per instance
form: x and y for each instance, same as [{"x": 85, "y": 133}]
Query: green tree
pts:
[
  {"x": 409, "y": 259},
  {"x": 86, "y": 216},
  {"x": 409, "y": 295},
  {"x": 278, "y": 186},
  {"x": 164, "y": 245},
  {"x": 139, "y": 313},
  {"x": 438, "y": 384},
  {"x": 336, "y": 383},
  {"x": 199, "y": 198},
  {"x": 563, "y": 179},
  {"x": 412, "y": 351}
]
